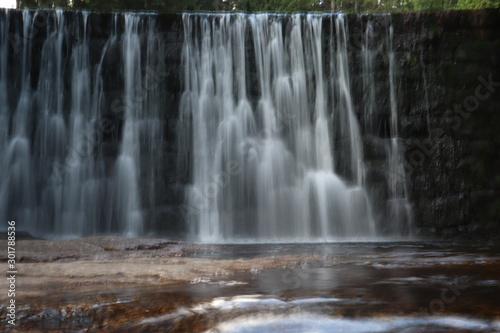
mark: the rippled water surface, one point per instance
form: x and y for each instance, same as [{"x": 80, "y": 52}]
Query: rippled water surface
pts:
[{"x": 338, "y": 287}]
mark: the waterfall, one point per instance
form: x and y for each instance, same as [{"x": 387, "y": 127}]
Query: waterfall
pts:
[
  {"x": 262, "y": 120},
  {"x": 18, "y": 182},
  {"x": 79, "y": 148},
  {"x": 127, "y": 168},
  {"x": 270, "y": 120},
  {"x": 398, "y": 205}
]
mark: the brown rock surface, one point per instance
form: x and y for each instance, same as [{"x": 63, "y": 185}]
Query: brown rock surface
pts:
[{"x": 50, "y": 266}]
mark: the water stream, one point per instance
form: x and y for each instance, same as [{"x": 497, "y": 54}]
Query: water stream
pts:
[
  {"x": 336, "y": 287},
  {"x": 278, "y": 120},
  {"x": 277, "y": 149},
  {"x": 269, "y": 127},
  {"x": 79, "y": 153}
]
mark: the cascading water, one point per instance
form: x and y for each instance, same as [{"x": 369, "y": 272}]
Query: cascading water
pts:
[
  {"x": 264, "y": 166},
  {"x": 60, "y": 131},
  {"x": 267, "y": 126},
  {"x": 18, "y": 183},
  {"x": 397, "y": 206},
  {"x": 127, "y": 168},
  {"x": 368, "y": 55}
]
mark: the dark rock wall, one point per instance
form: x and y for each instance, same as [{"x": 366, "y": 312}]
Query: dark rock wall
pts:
[
  {"x": 450, "y": 119},
  {"x": 448, "y": 88},
  {"x": 166, "y": 217},
  {"x": 448, "y": 96}
]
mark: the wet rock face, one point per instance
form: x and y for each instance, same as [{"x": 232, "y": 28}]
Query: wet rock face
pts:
[
  {"x": 450, "y": 78},
  {"x": 448, "y": 85}
]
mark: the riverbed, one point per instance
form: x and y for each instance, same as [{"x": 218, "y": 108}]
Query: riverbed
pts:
[{"x": 114, "y": 284}]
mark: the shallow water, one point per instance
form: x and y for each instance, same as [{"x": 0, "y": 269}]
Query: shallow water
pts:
[{"x": 340, "y": 287}]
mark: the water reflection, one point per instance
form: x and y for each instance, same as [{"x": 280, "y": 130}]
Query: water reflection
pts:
[
  {"x": 310, "y": 323},
  {"x": 348, "y": 287}
]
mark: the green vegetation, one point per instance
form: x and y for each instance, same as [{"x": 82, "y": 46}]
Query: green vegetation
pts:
[{"x": 348, "y": 6}]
